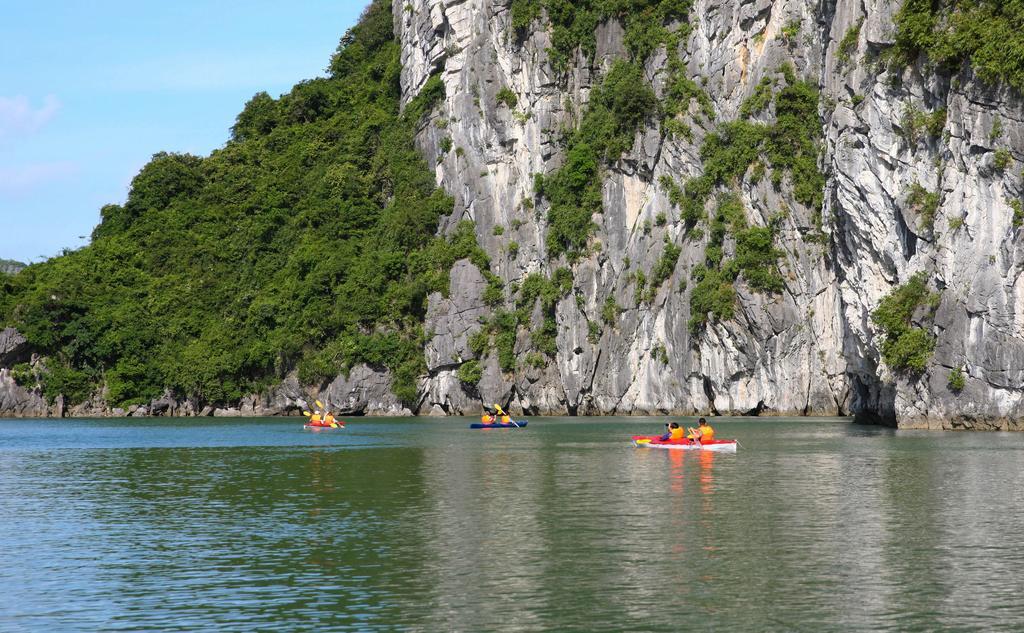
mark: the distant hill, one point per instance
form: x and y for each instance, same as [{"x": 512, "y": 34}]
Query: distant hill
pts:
[{"x": 10, "y": 266}]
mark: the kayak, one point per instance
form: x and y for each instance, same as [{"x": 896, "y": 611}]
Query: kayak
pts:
[
  {"x": 320, "y": 425},
  {"x": 498, "y": 425},
  {"x": 654, "y": 441}
]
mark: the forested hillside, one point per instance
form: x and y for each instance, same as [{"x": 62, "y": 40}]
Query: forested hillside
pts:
[{"x": 306, "y": 242}]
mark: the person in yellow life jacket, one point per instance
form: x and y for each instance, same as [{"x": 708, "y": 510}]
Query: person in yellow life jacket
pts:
[
  {"x": 315, "y": 418},
  {"x": 329, "y": 419},
  {"x": 675, "y": 432},
  {"x": 703, "y": 433}
]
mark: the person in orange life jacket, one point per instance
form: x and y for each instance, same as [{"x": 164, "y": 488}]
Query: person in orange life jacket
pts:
[
  {"x": 329, "y": 418},
  {"x": 488, "y": 416},
  {"x": 703, "y": 433},
  {"x": 675, "y": 432}
]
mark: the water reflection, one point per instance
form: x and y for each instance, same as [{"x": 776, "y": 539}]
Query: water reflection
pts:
[{"x": 813, "y": 526}]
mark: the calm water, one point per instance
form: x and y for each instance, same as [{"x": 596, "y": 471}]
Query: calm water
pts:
[{"x": 816, "y": 525}]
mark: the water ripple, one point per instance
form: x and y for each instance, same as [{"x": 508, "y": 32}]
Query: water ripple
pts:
[{"x": 423, "y": 525}]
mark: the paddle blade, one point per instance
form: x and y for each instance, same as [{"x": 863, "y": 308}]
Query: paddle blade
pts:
[
  {"x": 319, "y": 404},
  {"x": 643, "y": 441},
  {"x": 307, "y": 414}
]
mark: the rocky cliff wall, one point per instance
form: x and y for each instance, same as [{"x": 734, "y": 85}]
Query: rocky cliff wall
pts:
[
  {"x": 811, "y": 348},
  {"x": 10, "y": 267}
]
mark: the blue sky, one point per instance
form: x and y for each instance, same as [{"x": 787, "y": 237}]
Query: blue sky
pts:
[{"x": 89, "y": 90}]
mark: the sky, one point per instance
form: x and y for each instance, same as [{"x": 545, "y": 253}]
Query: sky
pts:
[{"x": 91, "y": 89}]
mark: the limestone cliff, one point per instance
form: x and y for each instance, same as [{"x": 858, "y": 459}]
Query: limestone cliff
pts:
[
  {"x": 811, "y": 348},
  {"x": 10, "y": 267}
]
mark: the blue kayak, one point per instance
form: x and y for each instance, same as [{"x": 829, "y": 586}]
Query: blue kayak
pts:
[{"x": 498, "y": 425}]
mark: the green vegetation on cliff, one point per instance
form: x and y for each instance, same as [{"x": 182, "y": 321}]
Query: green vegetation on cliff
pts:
[
  {"x": 307, "y": 241},
  {"x": 789, "y": 145},
  {"x": 739, "y": 150},
  {"x": 987, "y": 34},
  {"x": 755, "y": 259},
  {"x": 502, "y": 329},
  {"x": 617, "y": 108},
  {"x": 957, "y": 380},
  {"x": 923, "y": 202},
  {"x": 574, "y": 24},
  {"x": 906, "y": 347}
]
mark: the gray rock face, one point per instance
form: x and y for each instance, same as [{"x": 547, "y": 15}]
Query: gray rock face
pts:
[
  {"x": 811, "y": 349},
  {"x": 10, "y": 267},
  {"x": 363, "y": 391},
  {"x": 18, "y": 402},
  {"x": 451, "y": 321},
  {"x": 14, "y": 348},
  {"x": 287, "y": 398}
]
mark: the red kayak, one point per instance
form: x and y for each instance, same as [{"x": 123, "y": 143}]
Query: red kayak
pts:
[
  {"x": 323, "y": 425},
  {"x": 655, "y": 441}
]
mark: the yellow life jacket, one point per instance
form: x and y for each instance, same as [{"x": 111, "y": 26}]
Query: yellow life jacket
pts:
[
  {"x": 315, "y": 418},
  {"x": 505, "y": 419},
  {"x": 677, "y": 434},
  {"x": 706, "y": 433}
]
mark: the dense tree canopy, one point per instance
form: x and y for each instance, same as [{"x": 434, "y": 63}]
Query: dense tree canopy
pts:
[
  {"x": 987, "y": 34},
  {"x": 307, "y": 241}
]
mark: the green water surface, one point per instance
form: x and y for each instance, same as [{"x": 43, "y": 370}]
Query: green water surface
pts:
[{"x": 425, "y": 525}]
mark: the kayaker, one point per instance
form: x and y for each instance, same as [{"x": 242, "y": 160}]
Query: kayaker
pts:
[
  {"x": 488, "y": 416},
  {"x": 329, "y": 419},
  {"x": 703, "y": 433},
  {"x": 315, "y": 418},
  {"x": 675, "y": 432},
  {"x": 505, "y": 419}
]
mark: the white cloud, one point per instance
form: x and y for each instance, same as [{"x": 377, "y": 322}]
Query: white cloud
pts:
[
  {"x": 24, "y": 178},
  {"x": 17, "y": 117}
]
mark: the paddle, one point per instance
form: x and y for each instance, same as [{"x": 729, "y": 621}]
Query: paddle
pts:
[{"x": 502, "y": 413}]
